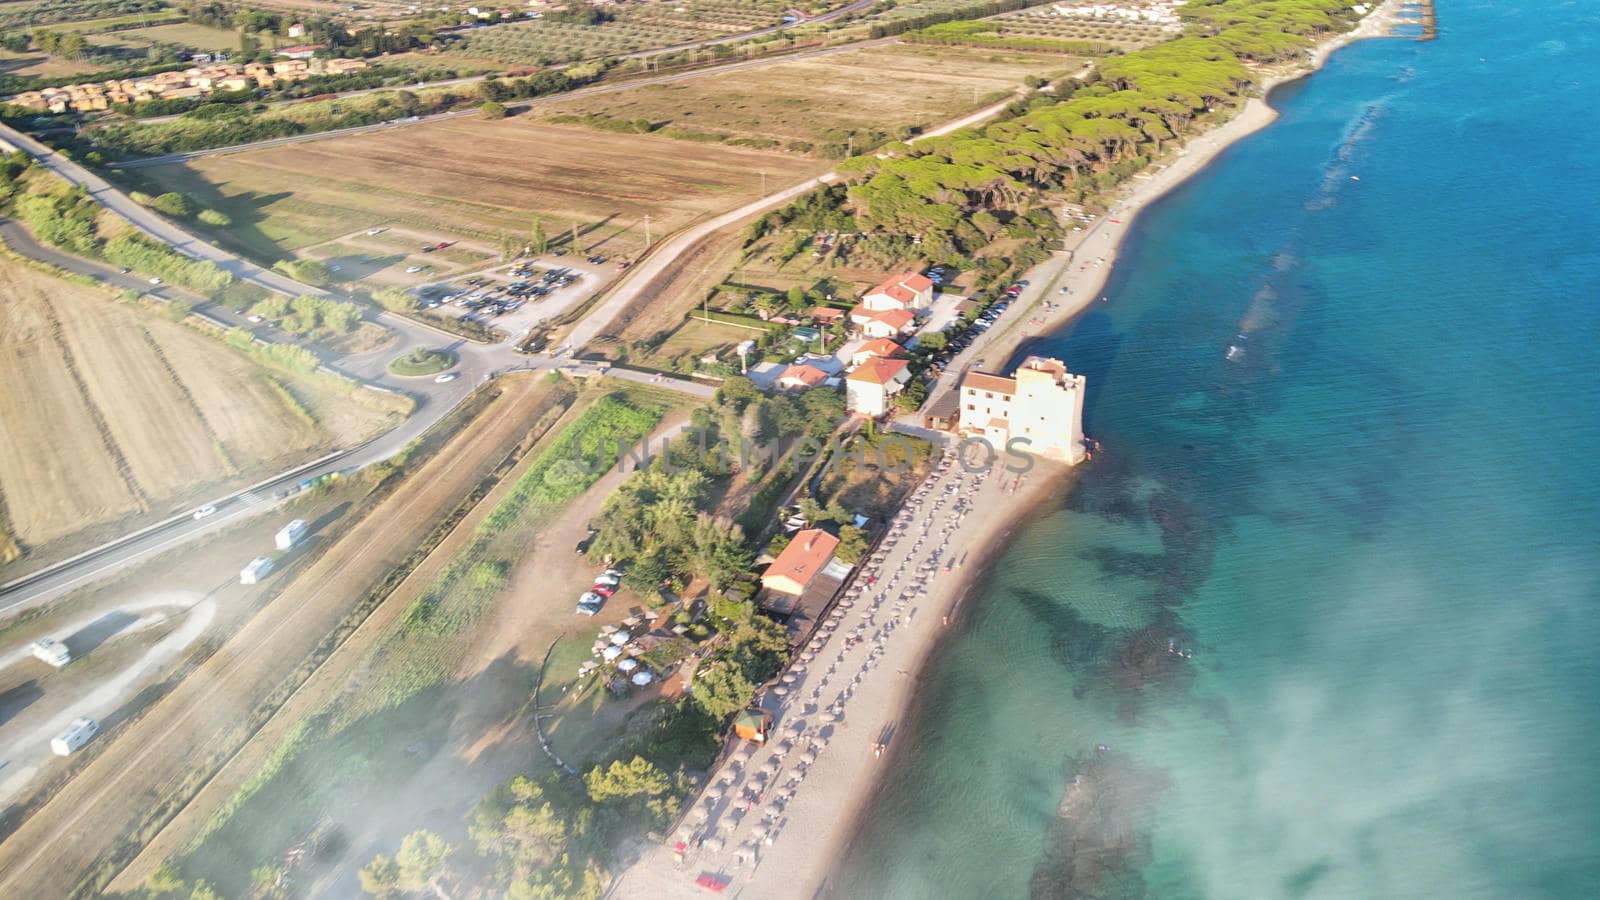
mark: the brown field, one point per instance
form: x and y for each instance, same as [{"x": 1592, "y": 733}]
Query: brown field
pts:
[
  {"x": 476, "y": 179},
  {"x": 883, "y": 89},
  {"x": 110, "y": 412},
  {"x": 39, "y": 65},
  {"x": 152, "y": 765}
]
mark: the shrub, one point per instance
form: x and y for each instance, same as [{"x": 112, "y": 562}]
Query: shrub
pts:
[
  {"x": 173, "y": 204},
  {"x": 215, "y": 218},
  {"x": 493, "y": 110}
]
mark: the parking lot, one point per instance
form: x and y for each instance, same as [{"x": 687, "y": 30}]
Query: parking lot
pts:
[{"x": 516, "y": 296}]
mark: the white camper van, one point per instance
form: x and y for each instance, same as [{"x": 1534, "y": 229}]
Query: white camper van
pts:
[
  {"x": 290, "y": 534},
  {"x": 77, "y": 734},
  {"x": 52, "y": 651},
  {"x": 259, "y": 568}
]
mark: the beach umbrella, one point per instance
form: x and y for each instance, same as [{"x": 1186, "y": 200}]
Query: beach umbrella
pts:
[
  {"x": 612, "y": 653},
  {"x": 771, "y": 765},
  {"x": 744, "y": 754},
  {"x": 780, "y": 691},
  {"x": 789, "y": 679},
  {"x": 810, "y": 756},
  {"x": 713, "y": 791},
  {"x": 829, "y": 716},
  {"x": 714, "y": 844},
  {"x": 785, "y": 745},
  {"x": 627, "y": 665}
]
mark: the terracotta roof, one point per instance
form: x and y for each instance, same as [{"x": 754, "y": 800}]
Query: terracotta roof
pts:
[
  {"x": 827, "y": 314},
  {"x": 904, "y": 287},
  {"x": 802, "y": 560},
  {"x": 811, "y": 376},
  {"x": 983, "y": 381},
  {"x": 881, "y": 347},
  {"x": 896, "y": 318},
  {"x": 878, "y": 370}
]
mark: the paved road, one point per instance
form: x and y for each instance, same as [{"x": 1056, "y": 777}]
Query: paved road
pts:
[{"x": 171, "y": 158}]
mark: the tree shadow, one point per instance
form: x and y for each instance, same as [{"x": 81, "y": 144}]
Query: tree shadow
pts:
[{"x": 19, "y": 698}]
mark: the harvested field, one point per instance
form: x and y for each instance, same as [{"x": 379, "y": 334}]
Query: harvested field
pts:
[
  {"x": 110, "y": 412},
  {"x": 476, "y": 179},
  {"x": 149, "y": 768},
  {"x": 814, "y": 105}
]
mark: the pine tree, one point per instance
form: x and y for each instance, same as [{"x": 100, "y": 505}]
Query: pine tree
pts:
[{"x": 538, "y": 243}]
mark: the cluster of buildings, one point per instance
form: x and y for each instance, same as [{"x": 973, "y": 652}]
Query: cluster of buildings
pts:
[
  {"x": 1149, "y": 12},
  {"x": 198, "y": 81}
]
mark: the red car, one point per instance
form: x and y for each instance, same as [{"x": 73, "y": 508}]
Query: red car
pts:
[{"x": 604, "y": 590}]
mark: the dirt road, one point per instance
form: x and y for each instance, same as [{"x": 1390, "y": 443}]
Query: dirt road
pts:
[{"x": 157, "y": 764}]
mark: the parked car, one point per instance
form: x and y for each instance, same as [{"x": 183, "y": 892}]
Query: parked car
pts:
[
  {"x": 608, "y": 579},
  {"x": 447, "y": 377},
  {"x": 590, "y": 603},
  {"x": 155, "y": 281},
  {"x": 204, "y": 512},
  {"x": 604, "y": 590},
  {"x": 412, "y": 270}
]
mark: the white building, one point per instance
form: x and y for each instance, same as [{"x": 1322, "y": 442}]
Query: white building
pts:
[
  {"x": 871, "y": 388},
  {"x": 1041, "y": 403}
]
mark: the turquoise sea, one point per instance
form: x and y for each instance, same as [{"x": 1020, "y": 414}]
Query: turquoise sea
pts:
[{"x": 1375, "y": 531}]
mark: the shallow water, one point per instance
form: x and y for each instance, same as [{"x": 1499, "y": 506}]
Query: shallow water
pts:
[{"x": 1377, "y": 530}]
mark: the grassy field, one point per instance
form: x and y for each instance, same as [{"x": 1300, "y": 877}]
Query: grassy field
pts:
[
  {"x": 110, "y": 412},
  {"x": 185, "y": 34},
  {"x": 471, "y": 178},
  {"x": 38, "y": 65},
  {"x": 817, "y": 102}
]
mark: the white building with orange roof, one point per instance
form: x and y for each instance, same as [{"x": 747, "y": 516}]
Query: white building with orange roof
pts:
[{"x": 871, "y": 387}]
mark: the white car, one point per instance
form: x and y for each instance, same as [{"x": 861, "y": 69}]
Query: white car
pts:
[
  {"x": 256, "y": 320},
  {"x": 204, "y": 512},
  {"x": 606, "y": 580},
  {"x": 412, "y": 270},
  {"x": 155, "y": 281},
  {"x": 447, "y": 377},
  {"x": 375, "y": 230}
]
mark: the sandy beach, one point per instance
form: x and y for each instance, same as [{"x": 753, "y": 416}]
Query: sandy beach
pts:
[{"x": 772, "y": 823}]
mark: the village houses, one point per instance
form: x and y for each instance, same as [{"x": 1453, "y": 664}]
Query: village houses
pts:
[{"x": 198, "y": 81}]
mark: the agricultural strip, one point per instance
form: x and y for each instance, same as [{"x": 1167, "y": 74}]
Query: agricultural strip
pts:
[
  {"x": 100, "y": 819},
  {"x": 102, "y": 396},
  {"x": 815, "y": 105},
  {"x": 474, "y": 179}
]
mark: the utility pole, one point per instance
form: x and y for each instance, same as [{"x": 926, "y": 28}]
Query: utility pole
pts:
[
  {"x": 574, "y": 237},
  {"x": 646, "y": 231},
  {"x": 763, "y": 182}
]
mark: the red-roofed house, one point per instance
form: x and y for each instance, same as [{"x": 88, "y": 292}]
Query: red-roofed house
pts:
[
  {"x": 873, "y": 385},
  {"x": 827, "y": 315},
  {"x": 889, "y": 323},
  {"x": 875, "y": 349},
  {"x": 905, "y": 291},
  {"x": 801, "y": 378},
  {"x": 801, "y": 562}
]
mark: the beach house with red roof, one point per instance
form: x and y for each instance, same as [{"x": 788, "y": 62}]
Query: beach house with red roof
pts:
[
  {"x": 887, "y": 323},
  {"x": 877, "y": 348},
  {"x": 872, "y": 386},
  {"x": 908, "y": 290},
  {"x": 807, "y": 555},
  {"x": 800, "y": 378}
]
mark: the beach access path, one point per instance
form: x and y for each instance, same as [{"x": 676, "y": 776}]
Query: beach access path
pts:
[{"x": 771, "y": 814}]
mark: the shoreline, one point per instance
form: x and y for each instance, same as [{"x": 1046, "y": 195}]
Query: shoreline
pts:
[
  {"x": 1134, "y": 197},
  {"x": 828, "y": 811}
]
